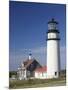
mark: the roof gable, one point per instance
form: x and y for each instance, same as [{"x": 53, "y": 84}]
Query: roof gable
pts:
[{"x": 28, "y": 62}]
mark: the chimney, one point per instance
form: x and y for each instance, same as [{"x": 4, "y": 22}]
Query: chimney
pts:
[{"x": 30, "y": 56}]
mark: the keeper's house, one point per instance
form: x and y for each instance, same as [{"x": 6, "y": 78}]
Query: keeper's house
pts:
[{"x": 27, "y": 68}]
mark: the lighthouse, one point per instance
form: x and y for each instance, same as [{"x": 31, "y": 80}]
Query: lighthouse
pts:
[{"x": 53, "y": 50}]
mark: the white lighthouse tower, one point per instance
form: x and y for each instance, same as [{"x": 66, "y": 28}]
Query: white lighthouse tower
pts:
[{"x": 53, "y": 50}]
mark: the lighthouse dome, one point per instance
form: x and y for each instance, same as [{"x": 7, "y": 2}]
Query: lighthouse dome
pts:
[{"x": 52, "y": 25}]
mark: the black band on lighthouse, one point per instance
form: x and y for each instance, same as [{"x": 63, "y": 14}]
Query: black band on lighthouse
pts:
[
  {"x": 53, "y": 31},
  {"x": 53, "y": 39}
]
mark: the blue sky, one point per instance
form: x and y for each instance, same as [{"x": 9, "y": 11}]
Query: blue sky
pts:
[{"x": 28, "y": 27}]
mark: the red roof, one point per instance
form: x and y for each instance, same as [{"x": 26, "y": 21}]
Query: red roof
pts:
[
  {"x": 41, "y": 69},
  {"x": 27, "y": 62}
]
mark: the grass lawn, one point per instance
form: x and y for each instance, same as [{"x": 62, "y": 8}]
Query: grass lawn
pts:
[{"x": 36, "y": 83}]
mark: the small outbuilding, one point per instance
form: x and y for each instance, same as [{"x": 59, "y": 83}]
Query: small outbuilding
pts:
[{"x": 41, "y": 73}]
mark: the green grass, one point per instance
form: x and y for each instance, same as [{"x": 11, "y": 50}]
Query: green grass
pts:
[{"x": 36, "y": 83}]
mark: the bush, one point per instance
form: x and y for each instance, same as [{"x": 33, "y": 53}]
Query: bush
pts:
[{"x": 12, "y": 73}]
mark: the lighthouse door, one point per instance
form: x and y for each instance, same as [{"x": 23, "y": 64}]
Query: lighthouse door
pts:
[{"x": 55, "y": 73}]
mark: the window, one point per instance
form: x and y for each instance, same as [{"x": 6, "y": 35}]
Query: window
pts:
[
  {"x": 55, "y": 73},
  {"x": 38, "y": 74},
  {"x": 52, "y": 26},
  {"x": 42, "y": 74}
]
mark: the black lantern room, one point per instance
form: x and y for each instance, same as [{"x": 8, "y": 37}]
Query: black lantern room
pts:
[{"x": 53, "y": 32}]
